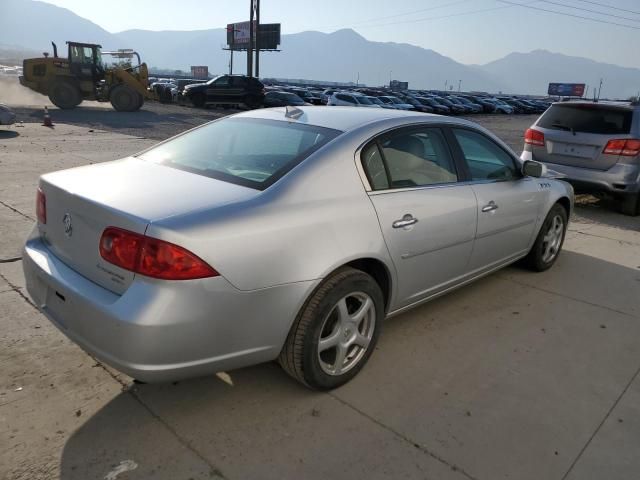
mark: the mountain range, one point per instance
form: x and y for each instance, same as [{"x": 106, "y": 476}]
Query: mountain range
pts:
[{"x": 342, "y": 56}]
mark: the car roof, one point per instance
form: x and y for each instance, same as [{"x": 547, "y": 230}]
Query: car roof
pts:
[
  {"x": 341, "y": 118},
  {"x": 603, "y": 103}
]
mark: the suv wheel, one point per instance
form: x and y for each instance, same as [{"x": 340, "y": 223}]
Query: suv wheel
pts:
[
  {"x": 335, "y": 332},
  {"x": 630, "y": 204},
  {"x": 198, "y": 100},
  {"x": 252, "y": 101}
]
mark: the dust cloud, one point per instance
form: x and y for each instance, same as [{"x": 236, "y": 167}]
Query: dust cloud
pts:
[{"x": 14, "y": 94}]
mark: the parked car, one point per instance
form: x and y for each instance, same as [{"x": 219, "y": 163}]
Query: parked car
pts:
[
  {"x": 475, "y": 107},
  {"x": 282, "y": 99},
  {"x": 307, "y": 96},
  {"x": 454, "y": 107},
  {"x": 7, "y": 116},
  {"x": 235, "y": 252},
  {"x": 437, "y": 107},
  {"x": 380, "y": 103},
  {"x": 396, "y": 102},
  {"x": 455, "y": 101},
  {"x": 226, "y": 89},
  {"x": 500, "y": 106},
  {"x": 417, "y": 106},
  {"x": 350, "y": 99},
  {"x": 488, "y": 106},
  {"x": 596, "y": 145}
]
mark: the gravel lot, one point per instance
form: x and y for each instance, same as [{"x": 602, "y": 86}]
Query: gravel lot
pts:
[{"x": 520, "y": 375}]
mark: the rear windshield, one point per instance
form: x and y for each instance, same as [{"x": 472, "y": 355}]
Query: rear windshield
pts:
[
  {"x": 245, "y": 151},
  {"x": 587, "y": 119}
]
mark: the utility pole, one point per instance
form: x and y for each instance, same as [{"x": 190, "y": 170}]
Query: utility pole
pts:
[
  {"x": 446, "y": 82},
  {"x": 459, "y": 84},
  {"x": 250, "y": 44},
  {"x": 358, "y": 79},
  {"x": 257, "y": 33}
]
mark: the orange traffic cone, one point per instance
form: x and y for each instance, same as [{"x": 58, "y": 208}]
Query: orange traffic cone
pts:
[{"x": 47, "y": 118}]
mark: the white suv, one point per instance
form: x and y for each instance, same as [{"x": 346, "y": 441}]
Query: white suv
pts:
[{"x": 349, "y": 99}]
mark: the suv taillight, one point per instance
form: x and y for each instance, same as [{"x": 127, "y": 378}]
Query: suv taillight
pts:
[
  {"x": 41, "y": 207},
  {"x": 534, "y": 137},
  {"x": 151, "y": 257},
  {"x": 623, "y": 147}
]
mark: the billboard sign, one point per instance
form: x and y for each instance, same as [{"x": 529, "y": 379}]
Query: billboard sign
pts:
[
  {"x": 200, "y": 71},
  {"x": 238, "y": 35},
  {"x": 398, "y": 86},
  {"x": 566, "y": 89}
]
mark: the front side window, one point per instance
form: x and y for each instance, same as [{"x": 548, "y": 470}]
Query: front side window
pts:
[
  {"x": 221, "y": 81},
  {"x": 413, "y": 158},
  {"x": 245, "y": 151},
  {"x": 486, "y": 160}
]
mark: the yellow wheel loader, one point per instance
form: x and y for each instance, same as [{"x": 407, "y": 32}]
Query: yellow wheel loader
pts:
[{"x": 84, "y": 76}]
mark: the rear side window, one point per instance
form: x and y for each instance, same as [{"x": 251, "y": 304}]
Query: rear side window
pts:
[
  {"x": 486, "y": 160},
  {"x": 413, "y": 158},
  {"x": 246, "y": 151},
  {"x": 587, "y": 119}
]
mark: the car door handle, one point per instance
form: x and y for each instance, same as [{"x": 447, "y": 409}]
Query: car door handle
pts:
[
  {"x": 489, "y": 207},
  {"x": 407, "y": 220}
]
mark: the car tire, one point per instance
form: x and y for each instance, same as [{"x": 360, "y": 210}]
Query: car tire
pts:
[
  {"x": 252, "y": 101},
  {"x": 65, "y": 95},
  {"x": 336, "y": 331},
  {"x": 198, "y": 100},
  {"x": 548, "y": 244},
  {"x": 630, "y": 205}
]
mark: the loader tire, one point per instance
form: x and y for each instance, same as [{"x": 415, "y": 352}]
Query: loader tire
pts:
[
  {"x": 125, "y": 99},
  {"x": 65, "y": 95}
]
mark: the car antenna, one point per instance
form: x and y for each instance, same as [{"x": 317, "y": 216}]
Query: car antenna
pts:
[{"x": 293, "y": 112}]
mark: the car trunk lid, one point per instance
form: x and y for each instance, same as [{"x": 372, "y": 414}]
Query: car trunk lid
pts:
[{"x": 129, "y": 194}]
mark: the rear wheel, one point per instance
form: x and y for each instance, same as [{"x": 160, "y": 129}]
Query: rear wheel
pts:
[
  {"x": 630, "y": 204},
  {"x": 125, "y": 99},
  {"x": 549, "y": 241},
  {"x": 336, "y": 331},
  {"x": 252, "y": 101},
  {"x": 65, "y": 95}
]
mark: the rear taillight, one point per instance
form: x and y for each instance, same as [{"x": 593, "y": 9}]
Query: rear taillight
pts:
[
  {"x": 151, "y": 257},
  {"x": 624, "y": 147},
  {"x": 534, "y": 137},
  {"x": 41, "y": 207}
]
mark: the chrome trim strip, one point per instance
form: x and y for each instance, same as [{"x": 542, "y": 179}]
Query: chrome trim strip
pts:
[{"x": 502, "y": 230}]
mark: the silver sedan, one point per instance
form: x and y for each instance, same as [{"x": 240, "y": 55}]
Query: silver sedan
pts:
[{"x": 287, "y": 234}]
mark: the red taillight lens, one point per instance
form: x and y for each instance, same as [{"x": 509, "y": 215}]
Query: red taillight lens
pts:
[
  {"x": 151, "y": 257},
  {"x": 623, "y": 147},
  {"x": 41, "y": 207},
  {"x": 121, "y": 247},
  {"x": 534, "y": 137}
]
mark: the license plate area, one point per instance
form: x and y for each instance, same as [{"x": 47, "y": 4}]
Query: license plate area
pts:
[{"x": 573, "y": 150}]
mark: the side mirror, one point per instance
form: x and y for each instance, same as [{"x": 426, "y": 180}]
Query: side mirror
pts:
[{"x": 531, "y": 168}]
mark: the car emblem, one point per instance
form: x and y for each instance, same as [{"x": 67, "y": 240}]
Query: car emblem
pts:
[{"x": 68, "y": 227}]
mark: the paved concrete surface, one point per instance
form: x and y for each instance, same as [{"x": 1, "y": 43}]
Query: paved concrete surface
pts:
[{"x": 518, "y": 376}]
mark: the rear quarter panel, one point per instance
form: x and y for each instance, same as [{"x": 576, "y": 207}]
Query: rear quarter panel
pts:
[{"x": 315, "y": 219}]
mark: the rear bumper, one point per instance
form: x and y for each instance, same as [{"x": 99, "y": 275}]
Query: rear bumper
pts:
[
  {"x": 619, "y": 180},
  {"x": 163, "y": 331}
]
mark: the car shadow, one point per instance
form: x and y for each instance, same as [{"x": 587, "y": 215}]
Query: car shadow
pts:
[
  {"x": 6, "y": 134},
  {"x": 258, "y": 419}
]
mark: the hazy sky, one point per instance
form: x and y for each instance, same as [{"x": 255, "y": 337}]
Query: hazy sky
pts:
[{"x": 469, "y": 31}]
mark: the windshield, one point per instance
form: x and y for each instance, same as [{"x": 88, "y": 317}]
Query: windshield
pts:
[
  {"x": 375, "y": 100},
  {"x": 363, "y": 100},
  {"x": 396, "y": 100},
  {"x": 587, "y": 119},
  {"x": 245, "y": 151}
]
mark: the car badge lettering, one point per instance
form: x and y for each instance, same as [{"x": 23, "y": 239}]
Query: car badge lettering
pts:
[{"x": 68, "y": 227}]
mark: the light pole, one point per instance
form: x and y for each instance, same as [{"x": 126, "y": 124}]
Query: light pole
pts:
[
  {"x": 390, "y": 72},
  {"x": 446, "y": 82},
  {"x": 459, "y": 84}
]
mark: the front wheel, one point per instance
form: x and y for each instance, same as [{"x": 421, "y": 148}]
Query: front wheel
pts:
[
  {"x": 125, "y": 99},
  {"x": 549, "y": 241},
  {"x": 336, "y": 331}
]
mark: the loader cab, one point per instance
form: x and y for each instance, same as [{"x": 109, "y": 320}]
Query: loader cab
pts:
[{"x": 85, "y": 61}]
